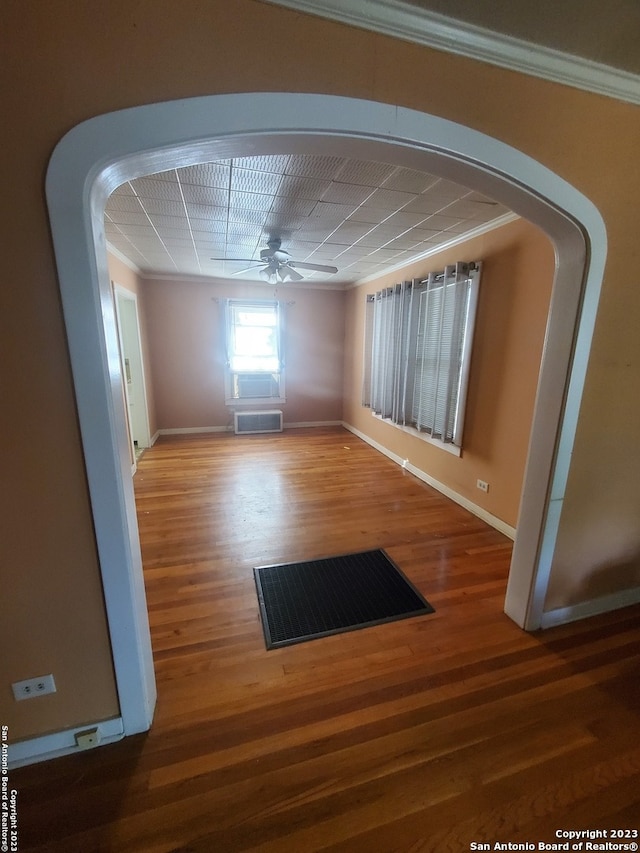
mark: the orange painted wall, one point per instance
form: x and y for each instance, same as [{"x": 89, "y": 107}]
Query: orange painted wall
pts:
[
  {"x": 64, "y": 62},
  {"x": 518, "y": 266},
  {"x": 185, "y": 320}
]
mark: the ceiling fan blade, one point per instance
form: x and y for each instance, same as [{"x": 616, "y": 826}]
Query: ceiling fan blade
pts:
[
  {"x": 248, "y": 269},
  {"x": 237, "y": 260},
  {"x": 289, "y": 272},
  {"x": 316, "y": 267}
]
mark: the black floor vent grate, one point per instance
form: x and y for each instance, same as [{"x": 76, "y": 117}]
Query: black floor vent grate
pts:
[{"x": 304, "y": 601}]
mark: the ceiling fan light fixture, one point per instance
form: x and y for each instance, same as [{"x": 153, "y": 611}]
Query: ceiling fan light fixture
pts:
[{"x": 278, "y": 265}]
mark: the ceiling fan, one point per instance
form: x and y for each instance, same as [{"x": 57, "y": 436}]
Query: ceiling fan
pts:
[{"x": 276, "y": 265}]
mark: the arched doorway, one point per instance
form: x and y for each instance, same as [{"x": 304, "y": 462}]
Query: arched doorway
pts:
[{"x": 102, "y": 153}]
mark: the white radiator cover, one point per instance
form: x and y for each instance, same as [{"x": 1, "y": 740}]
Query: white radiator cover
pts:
[{"x": 245, "y": 423}]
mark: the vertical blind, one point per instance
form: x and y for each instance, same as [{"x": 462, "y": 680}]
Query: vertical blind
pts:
[{"x": 418, "y": 338}]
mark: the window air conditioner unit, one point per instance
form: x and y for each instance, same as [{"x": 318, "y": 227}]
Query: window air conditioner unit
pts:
[
  {"x": 245, "y": 423},
  {"x": 255, "y": 385}
]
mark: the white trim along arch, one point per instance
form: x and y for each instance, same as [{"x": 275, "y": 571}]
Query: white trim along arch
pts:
[{"x": 103, "y": 152}]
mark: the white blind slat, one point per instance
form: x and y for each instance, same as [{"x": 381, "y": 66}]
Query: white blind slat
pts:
[{"x": 420, "y": 343}]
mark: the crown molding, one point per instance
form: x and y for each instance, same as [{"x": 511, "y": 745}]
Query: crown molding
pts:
[
  {"x": 401, "y": 20},
  {"x": 125, "y": 260},
  {"x": 196, "y": 278}
]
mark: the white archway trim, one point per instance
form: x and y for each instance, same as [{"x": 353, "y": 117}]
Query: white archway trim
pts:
[{"x": 98, "y": 155}]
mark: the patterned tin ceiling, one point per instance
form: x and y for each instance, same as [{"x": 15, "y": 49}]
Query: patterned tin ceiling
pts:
[{"x": 361, "y": 217}]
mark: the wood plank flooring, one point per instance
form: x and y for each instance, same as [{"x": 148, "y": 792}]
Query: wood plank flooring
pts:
[{"x": 426, "y": 734}]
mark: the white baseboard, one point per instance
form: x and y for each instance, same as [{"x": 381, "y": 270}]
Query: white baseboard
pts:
[
  {"x": 474, "y": 509},
  {"x": 615, "y": 601},
  {"x": 62, "y": 743},
  {"x": 304, "y": 424},
  {"x": 154, "y": 437},
  {"x": 193, "y": 430}
]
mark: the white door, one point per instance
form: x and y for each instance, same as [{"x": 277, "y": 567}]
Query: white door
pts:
[{"x": 132, "y": 370}]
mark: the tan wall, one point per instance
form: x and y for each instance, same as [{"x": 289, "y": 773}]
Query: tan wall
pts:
[
  {"x": 518, "y": 266},
  {"x": 64, "y": 62},
  {"x": 185, "y": 320},
  {"x": 123, "y": 275}
]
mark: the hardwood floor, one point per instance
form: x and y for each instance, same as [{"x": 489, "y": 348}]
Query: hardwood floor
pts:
[{"x": 426, "y": 734}]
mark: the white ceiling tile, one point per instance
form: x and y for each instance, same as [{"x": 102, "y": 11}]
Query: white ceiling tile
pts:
[
  {"x": 448, "y": 189},
  {"x": 465, "y": 209},
  {"x": 350, "y": 231},
  {"x": 124, "y": 217},
  {"x": 206, "y": 212},
  {"x": 138, "y": 230},
  {"x": 153, "y": 188},
  {"x": 438, "y": 222},
  {"x": 423, "y": 235},
  {"x": 240, "y": 231},
  {"x": 297, "y": 186},
  {"x": 249, "y": 217},
  {"x": 313, "y": 166},
  {"x": 301, "y": 247},
  {"x": 118, "y": 202},
  {"x": 245, "y": 180},
  {"x": 427, "y": 204},
  {"x": 380, "y": 235},
  {"x": 241, "y": 248},
  {"x": 365, "y": 173},
  {"x": 205, "y": 195},
  {"x": 162, "y": 206},
  {"x": 409, "y": 180},
  {"x": 328, "y": 210},
  {"x": 157, "y": 257},
  {"x": 206, "y": 175},
  {"x": 317, "y": 235},
  {"x": 296, "y": 208},
  {"x": 178, "y": 243},
  {"x": 346, "y": 193},
  {"x": 208, "y": 228},
  {"x": 402, "y": 221},
  {"x": 390, "y": 199},
  {"x": 122, "y": 191},
  {"x": 371, "y": 215},
  {"x": 406, "y": 242},
  {"x": 211, "y": 248},
  {"x": 383, "y": 256},
  {"x": 251, "y": 201},
  {"x": 276, "y": 163},
  {"x": 161, "y": 222},
  {"x": 169, "y": 233},
  {"x": 462, "y": 226}
]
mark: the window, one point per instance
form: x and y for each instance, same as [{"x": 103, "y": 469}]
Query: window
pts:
[
  {"x": 254, "y": 352},
  {"x": 418, "y": 338}
]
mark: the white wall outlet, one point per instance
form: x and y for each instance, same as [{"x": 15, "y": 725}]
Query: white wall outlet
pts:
[
  {"x": 484, "y": 487},
  {"x": 32, "y": 687},
  {"x": 88, "y": 738}
]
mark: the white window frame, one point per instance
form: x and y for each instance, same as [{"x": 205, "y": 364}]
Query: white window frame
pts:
[{"x": 233, "y": 376}]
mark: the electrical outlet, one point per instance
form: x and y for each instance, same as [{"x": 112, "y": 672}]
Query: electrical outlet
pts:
[
  {"x": 484, "y": 487},
  {"x": 88, "y": 738},
  {"x": 32, "y": 687}
]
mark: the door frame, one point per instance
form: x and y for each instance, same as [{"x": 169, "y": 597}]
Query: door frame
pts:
[
  {"x": 122, "y": 293},
  {"x": 100, "y": 154}
]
